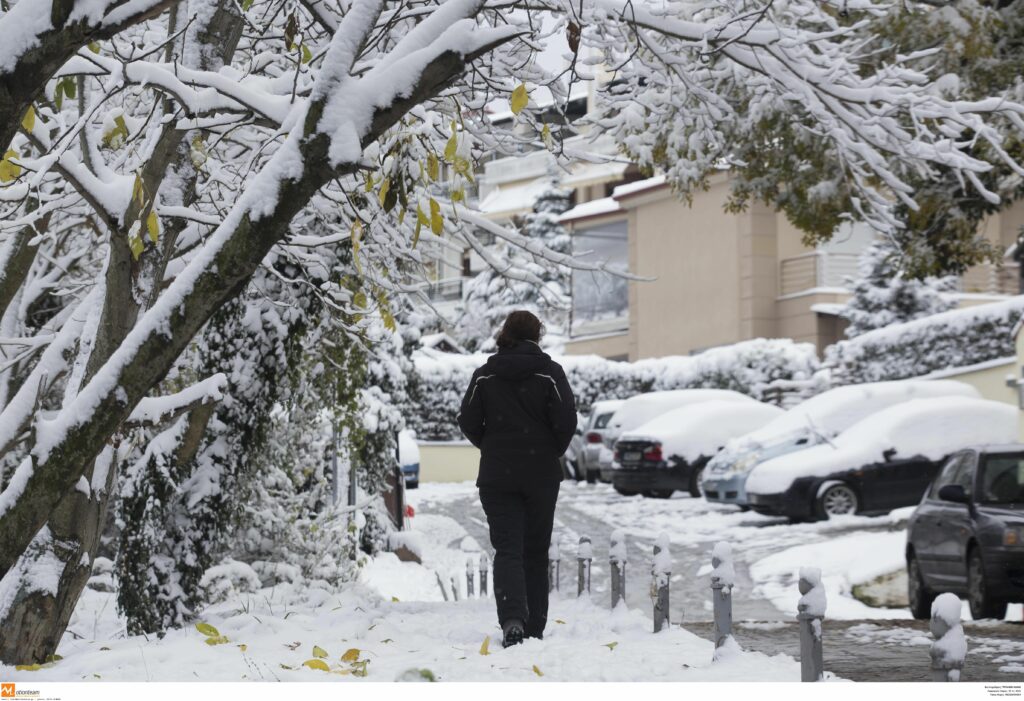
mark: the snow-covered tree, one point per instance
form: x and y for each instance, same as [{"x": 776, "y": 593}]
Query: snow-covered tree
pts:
[
  {"x": 155, "y": 155},
  {"x": 883, "y": 294},
  {"x": 490, "y": 296}
]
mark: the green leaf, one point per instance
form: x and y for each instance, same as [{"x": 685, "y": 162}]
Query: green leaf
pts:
[
  {"x": 319, "y": 651},
  {"x": 519, "y": 98},
  {"x": 394, "y": 599},
  {"x": 610, "y": 646},
  {"x": 317, "y": 664},
  {"x": 307, "y": 55},
  {"x": 116, "y": 137},
  {"x": 246, "y": 4},
  {"x": 29, "y": 120},
  {"x": 94, "y": 46},
  {"x": 58, "y": 95},
  {"x": 452, "y": 146},
  {"x": 545, "y": 135},
  {"x": 70, "y": 87},
  {"x": 436, "y": 220},
  {"x": 207, "y": 629},
  {"x": 359, "y": 300},
  {"x": 153, "y": 226},
  {"x": 9, "y": 170}
]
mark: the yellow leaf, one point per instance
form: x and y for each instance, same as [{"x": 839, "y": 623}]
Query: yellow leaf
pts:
[
  {"x": 359, "y": 300},
  {"x": 136, "y": 246},
  {"x": 28, "y": 667},
  {"x": 319, "y": 651},
  {"x": 207, "y": 629},
  {"x": 9, "y": 170},
  {"x": 351, "y": 655},
  {"x": 317, "y": 664},
  {"x": 139, "y": 195},
  {"x": 94, "y": 47},
  {"x": 394, "y": 599},
  {"x": 307, "y": 56},
  {"x": 610, "y": 646},
  {"x": 536, "y": 670},
  {"x": 452, "y": 147},
  {"x": 433, "y": 167},
  {"x": 560, "y": 621},
  {"x": 486, "y": 644},
  {"x": 384, "y": 187},
  {"x": 243, "y": 647},
  {"x": 357, "y": 232},
  {"x": 220, "y": 639},
  {"x": 545, "y": 135},
  {"x": 29, "y": 120},
  {"x": 436, "y": 220},
  {"x": 153, "y": 226},
  {"x": 519, "y": 98}
]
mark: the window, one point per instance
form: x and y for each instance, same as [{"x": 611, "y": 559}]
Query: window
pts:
[
  {"x": 1002, "y": 480},
  {"x": 600, "y": 302},
  {"x": 959, "y": 469},
  {"x": 603, "y": 419}
]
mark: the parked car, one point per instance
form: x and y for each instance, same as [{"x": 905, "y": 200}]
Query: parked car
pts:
[
  {"x": 593, "y": 437},
  {"x": 606, "y": 464},
  {"x": 409, "y": 457},
  {"x": 571, "y": 458},
  {"x": 967, "y": 535},
  {"x": 809, "y": 423},
  {"x": 881, "y": 463},
  {"x": 669, "y": 452}
]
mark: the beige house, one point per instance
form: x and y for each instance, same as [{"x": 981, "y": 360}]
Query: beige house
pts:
[{"x": 719, "y": 278}]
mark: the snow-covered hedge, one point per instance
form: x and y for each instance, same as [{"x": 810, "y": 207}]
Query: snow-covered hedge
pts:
[
  {"x": 951, "y": 339},
  {"x": 441, "y": 379}
]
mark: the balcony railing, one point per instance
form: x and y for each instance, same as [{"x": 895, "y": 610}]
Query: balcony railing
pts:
[
  {"x": 820, "y": 269},
  {"x": 816, "y": 269}
]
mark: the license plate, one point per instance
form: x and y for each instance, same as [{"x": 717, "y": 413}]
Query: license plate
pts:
[{"x": 632, "y": 456}]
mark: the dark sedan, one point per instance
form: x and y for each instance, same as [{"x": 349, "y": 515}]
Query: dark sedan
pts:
[
  {"x": 967, "y": 535},
  {"x": 644, "y": 469}
]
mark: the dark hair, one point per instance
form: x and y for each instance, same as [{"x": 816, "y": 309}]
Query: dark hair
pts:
[{"x": 520, "y": 326}]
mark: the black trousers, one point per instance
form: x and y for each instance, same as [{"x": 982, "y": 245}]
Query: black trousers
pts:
[{"x": 520, "y": 523}]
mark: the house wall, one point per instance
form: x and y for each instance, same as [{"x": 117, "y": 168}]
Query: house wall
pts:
[
  {"x": 988, "y": 378},
  {"x": 612, "y": 346},
  {"x": 448, "y": 462}
]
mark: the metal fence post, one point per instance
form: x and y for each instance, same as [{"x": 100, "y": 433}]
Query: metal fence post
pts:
[
  {"x": 810, "y": 612},
  {"x": 723, "y": 576},
  {"x": 617, "y": 560},
  {"x": 483, "y": 575},
  {"x": 554, "y": 568},
  {"x": 950, "y": 646},
  {"x": 661, "y": 572},
  {"x": 455, "y": 588},
  {"x": 470, "y": 570},
  {"x": 584, "y": 556}
]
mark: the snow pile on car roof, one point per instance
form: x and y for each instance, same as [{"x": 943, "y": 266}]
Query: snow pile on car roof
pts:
[
  {"x": 700, "y": 429},
  {"x": 642, "y": 408},
  {"x": 930, "y": 428}
]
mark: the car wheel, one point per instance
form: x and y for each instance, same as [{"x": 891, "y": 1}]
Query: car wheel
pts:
[
  {"x": 626, "y": 492},
  {"x": 837, "y": 500},
  {"x": 919, "y": 595},
  {"x": 412, "y": 484},
  {"x": 981, "y": 602},
  {"x": 695, "y": 489},
  {"x": 659, "y": 493},
  {"x": 591, "y": 477}
]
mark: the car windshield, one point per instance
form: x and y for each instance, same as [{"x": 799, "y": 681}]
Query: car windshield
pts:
[
  {"x": 602, "y": 420},
  {"x": 1002, "y": 479}
]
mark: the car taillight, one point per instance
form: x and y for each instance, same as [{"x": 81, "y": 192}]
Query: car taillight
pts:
[
  {"x": 593, "y": 437},
  {"x": 653, "y": 453}
]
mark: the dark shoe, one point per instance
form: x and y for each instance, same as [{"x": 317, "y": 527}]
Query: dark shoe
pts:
[{"x": 512, "y": 633}]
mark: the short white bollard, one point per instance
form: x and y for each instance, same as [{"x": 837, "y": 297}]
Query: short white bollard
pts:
[
  {"x": 661, "y": 573},
  {"x": 617, "y": 561},
  {"x": 554, "y": 568},
  {"x": 950, "y": 647},
  {"x": 810, "y": 612},
  {"x": 470, "y": 571},
  {"x": 483, "y": 574},
  {"x": 584, "y": 557}
]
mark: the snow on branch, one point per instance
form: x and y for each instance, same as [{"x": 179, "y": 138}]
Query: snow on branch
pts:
[{"x": 152, "y": 411}]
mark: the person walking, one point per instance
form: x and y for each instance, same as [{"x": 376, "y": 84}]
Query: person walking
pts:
[{"x": 520, "y": 412}]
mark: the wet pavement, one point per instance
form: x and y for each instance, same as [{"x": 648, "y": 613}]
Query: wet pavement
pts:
[{"x": 860, "y": 650}]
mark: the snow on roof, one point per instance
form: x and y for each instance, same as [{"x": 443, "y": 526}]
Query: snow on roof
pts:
[
  {"x": 640, "y": 409},
  {"x": 605, "y": 205},
  {"x": 638, "y": 186},
  {"x": 582, "y": 174},
  {"x": 839, "y": 408},
  {"x": 699, "y": 430},
  {"x": 932, "y": 428},
  {"x": 440, "y": 340},
  {"x": 829, "y": 308}
]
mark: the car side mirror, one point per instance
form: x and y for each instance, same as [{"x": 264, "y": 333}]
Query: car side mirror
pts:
[
  {"x": 954, "y": 493},
  {"x": 889, "y": 454}
]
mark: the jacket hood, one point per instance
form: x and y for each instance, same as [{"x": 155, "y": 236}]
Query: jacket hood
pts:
[{"x": 518, "y": 362}]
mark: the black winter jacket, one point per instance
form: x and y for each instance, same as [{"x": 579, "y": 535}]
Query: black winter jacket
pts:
[{"x": 521, "y": 413}]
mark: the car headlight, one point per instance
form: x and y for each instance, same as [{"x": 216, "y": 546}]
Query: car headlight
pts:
[
  {"x": 746, "y": 463},
  {"x": 1013, "y": 536}
]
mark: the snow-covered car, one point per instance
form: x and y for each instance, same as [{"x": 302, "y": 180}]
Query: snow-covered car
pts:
[
  {"x": 810, "y": 423},
  {"x": 881, "y": 463},
  {"x": 638, "y": 410},
  {"x": 669, "y": 452},
  {"x": 570, "y": 460},
  {"x": 409, "y": 457},
  {"x": 606, "y": 464},
  {"x": 593, "y": 437},
  {"x": 967, "y": 535}
]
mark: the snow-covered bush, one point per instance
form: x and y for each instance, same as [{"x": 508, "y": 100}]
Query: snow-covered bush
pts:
[
  {"x": 747, "y": 367},
  {"x": 228, "y": 579},
  {"x": 951, "y": 339}
]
